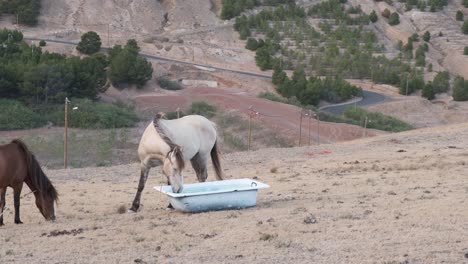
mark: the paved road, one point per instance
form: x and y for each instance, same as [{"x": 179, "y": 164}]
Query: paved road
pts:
[
  {"x": 154, "y": 57},
  {"x": 369, "y": 98}
]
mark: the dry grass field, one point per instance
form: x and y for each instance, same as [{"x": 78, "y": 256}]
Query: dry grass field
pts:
[{"x": 395, "y": 198}]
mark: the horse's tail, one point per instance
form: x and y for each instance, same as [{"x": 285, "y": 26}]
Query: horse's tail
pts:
[
  {"x": 38, "y": 178},
  {"x": 216, "y": 162}
]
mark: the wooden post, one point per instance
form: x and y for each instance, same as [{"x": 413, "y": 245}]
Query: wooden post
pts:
[
  {"x": 365, "y": 127},
  {"x": 300, "y": 128},
  {"x": 108, "y": 33},
  {"x": 318, "y": 129},
  {"x": 65, "y": 142},
  {"x": 178, "y": 112},
  {"x": 250, "y": 130},
  {"x": 310, "y": 116}
]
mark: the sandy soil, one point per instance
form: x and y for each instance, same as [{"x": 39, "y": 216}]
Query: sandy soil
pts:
[{"x": 398, "y": 198}]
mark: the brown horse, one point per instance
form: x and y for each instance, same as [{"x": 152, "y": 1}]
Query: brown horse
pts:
[{"x": 18, "y": 165}]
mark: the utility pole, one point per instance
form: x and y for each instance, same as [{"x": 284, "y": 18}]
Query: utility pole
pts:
[
  {"x": 406, "y": 85},
  {"x": 251, "y": 115},
  {"x": 178, "y": 112},
  {"x": 17, "y": 19},
  {"x": 250, "y": 131},
  {"x": 108, "y": 33},
  {"x": 310, "y": 116},
  {"x": 300, "y": 128},
  {"x": 318, "y": 129},
  {"x": 65, "y": 142},
  {"x": 365, "y": 127}
]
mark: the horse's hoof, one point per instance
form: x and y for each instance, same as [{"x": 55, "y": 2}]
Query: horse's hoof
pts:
[
  {"x": 18, "y": 222},
  {"x": 170, "y": 206},
  {"x": 131, "y": 211}
]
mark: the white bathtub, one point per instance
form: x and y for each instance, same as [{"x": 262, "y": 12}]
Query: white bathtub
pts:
[{"x": 215, "y": 195}]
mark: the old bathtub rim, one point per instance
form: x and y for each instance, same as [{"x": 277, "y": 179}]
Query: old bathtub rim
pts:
[{"x": 254, "y": 185}]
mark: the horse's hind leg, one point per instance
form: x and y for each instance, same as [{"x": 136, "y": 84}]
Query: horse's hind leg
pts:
[
  {"x": 16, "y": 198},
  {"x": 2, "y": 204},
  {"x": 141, "y": 186},
  {"x": 199, "y": 165}
]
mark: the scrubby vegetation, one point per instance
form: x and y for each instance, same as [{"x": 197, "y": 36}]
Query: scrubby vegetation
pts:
[
  {"x": 169, "y": 84},
  {"x": 126, "y": 67},
  {"x": 90, "y": 43},
  {"x": 37, "y": 77},
  {"x": 94, "y": 115},
  {"x": 15, "y": 115},
  {"x": 376, "y": 120},
  {"x": 40, "y": 81},
  {"x": 284, "y": 40},
  {"x": 460, "y": 89}
]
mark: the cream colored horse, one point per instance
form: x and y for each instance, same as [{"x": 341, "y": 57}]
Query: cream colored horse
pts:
[{"x": 172, "y": 142}]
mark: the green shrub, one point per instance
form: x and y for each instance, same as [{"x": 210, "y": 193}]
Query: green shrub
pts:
[
  {"x": 394, "y": 19},
  {"x": 427, "y": 36},
  {"x": 376, "y": 120},
  {"x": 465, "y": 27},
  {"x": 373, "y": 17},
  {"x": 15, "y": 115},
  {"x": 169, "y": 84},
  {"x": 465, "y": 50},
  {"x": 42, "y": 43},
  {"x": 95, "y": 115},
  {"x": 202, "y": 108},
  {"x": 459, "y": 16},
  {"x": 90, "y": 43},
  {"x": 460, "y": 89}
]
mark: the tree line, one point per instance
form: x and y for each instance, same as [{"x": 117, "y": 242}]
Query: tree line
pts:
[
  {"x": 25, "y": 11},
  {"x": 36, "y": 77}
]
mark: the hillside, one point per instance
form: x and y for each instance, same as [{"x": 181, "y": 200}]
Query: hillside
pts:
[{"x": 397, "y": 198}]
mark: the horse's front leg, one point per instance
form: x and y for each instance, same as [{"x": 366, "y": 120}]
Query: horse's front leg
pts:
[
  {"x": 141, "y": 185},
  {"x": 2, "y": 204},
  {"x": 16, "y": 198}
]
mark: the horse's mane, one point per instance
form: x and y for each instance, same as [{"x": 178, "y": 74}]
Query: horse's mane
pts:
[
  {"x": 174, "y": 147},
  {"x": 38, "y": 179}
]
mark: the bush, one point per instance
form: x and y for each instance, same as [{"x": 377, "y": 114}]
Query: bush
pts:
[
  {"x": 202, "y": 108},
  {"x": 394, "y": 19},
  {"x": 90, "y": 43},
  {"x": 15, "y": 115},
  {"x": 465, "y": 50},
  {"x": 252, "y": 44},
  {"x": 386, "y": 13},
  {"x": 427, "y": 36},
  {"x": 441, "y": 82},
  {"x": 169, "y": 84},
  {"x": 42, "y": 43},
  {"x": 428, "y": 91},
  {"x": 127, "y": 67},
  {"x": 459, "y": 16},
  {"x": 465, "y": 27},
  {"x": 95, "y": 115},
  {"x": 373, "y": 17},
  {"x": 376, "y": 120},
  {"x": 460, "y": 89}
]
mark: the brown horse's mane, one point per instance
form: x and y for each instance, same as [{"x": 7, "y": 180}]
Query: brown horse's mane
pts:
[
  {"x": 174, "y": 147},
  {"x": 36, "y": 175}
]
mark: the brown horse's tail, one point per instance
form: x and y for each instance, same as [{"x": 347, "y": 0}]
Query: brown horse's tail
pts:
[
  {"x": 37, "y": 176},
  {"x": 216, "y": 162}
]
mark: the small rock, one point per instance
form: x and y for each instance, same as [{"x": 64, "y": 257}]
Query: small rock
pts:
[
  {"x": 391, "y": 193},
  {"x": 401, "y": 150},
  {"x": 310, "y": 220},
  {"x": 466, "y": 255}
]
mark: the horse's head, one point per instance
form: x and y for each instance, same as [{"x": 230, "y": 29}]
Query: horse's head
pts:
[
  {"x": 173, "y": 166},
  {"x": 45, "y": 204}
]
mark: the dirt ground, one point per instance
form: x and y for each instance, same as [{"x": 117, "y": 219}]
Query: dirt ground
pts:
[{"x": 398, "y": 198}]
